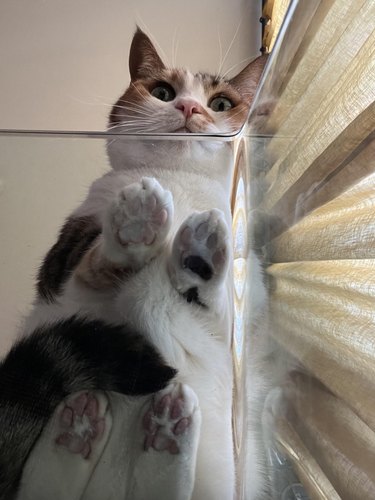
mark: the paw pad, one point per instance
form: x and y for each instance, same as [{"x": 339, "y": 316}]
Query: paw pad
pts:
[
  {"x": 169, "y": 419},
  {"x": 201, "y": 244},
  {"x": 141, "y": 212},
  {"x": 81, "y": 423}
]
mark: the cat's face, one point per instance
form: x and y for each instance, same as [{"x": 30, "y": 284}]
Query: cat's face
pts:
[{"x": 163, "y": 100}]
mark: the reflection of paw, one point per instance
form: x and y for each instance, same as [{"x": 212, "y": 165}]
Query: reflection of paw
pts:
[
  {"x": 139, "y": 220},
  {"x": 81, "y": 423},
  {"x": 201, "y": 245},
  {"x": 173, "y": 420}
]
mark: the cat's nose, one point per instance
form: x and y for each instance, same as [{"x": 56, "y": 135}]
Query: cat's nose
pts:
[{"x": 188, "y": 107}]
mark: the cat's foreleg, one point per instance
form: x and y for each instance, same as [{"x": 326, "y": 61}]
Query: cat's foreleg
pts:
[
  {"x": 200, "y": 258},
  {"x": 170, "y": 428},
  {"x": 135, "y": 228}
]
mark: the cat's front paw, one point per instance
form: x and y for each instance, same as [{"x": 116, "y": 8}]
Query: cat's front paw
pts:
[
  {"x": 137, "y": 223},
  {"x": 200, "y": 254},
  {"x": 172, "y": 422}
]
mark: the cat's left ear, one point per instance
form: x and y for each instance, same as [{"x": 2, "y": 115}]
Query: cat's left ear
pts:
[
  {"x": 143, "y": 58},
  {"x": 246, "y": 82}
]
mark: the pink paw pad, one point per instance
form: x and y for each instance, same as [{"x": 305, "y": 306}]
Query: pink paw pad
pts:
[
  {"x": 80, "y": 424},
  {"x": 169, "y": 418},
  {"x": 142, "y": 212}
]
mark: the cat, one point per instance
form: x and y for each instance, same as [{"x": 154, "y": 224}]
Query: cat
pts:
[{"x": 147, "y": 251}]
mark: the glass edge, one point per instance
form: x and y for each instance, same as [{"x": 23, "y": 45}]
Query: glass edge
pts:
[{"x": 105, "y": 135}]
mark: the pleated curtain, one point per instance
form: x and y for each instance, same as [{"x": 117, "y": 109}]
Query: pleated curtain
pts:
[{"x": 318, "y": 171}]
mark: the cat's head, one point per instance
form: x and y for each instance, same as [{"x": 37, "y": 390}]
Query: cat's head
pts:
[{"x": 165, "y": 100}]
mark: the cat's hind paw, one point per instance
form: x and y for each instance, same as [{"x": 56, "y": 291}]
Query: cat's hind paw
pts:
[
  {"x": 137, "y": 223},
  {"x": 172, "y": 422},
  {"x": 81, "y": 422}
]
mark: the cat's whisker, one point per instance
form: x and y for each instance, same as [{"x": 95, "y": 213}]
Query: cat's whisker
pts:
[
  {"x": 137, "y": 90},
  {"x": 133, "y": 125},
  {"x": 132, "y": 103},
  {"x": 247, "y": 59},
  {"x": 174, "y": 47},
  {"x": 130, "y": 127},
  {"x": 230, "y": 46},
  {"x": 81, "y": 101},
  {"x": 138, "y": 119},
  {"x": 236, "y": 114},
  {"x": 220, "y": 50},
  {"x": 137, "y": 109},
  {"x": 135, "y": 113},
  {"x": 126, "y": 101}
]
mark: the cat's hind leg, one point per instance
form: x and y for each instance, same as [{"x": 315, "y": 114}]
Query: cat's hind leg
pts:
[
  {"x": 61, "y": 464},
  {"x": 82, "y": 423},
  {"x": 200, "y": 257},
  {"x": 171, "y": 428}
]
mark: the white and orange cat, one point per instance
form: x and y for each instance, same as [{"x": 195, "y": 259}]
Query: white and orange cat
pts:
[{"x": 149, "y": 248}]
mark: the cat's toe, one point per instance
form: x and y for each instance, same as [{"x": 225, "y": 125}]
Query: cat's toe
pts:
[
  {"x": 142, "y": 213},
  {"x": 201, "y": 246},
  {"x": 137, "y": 223},
  {"x": 172, "y": 421},
  {"x": 81, "y": 422}
]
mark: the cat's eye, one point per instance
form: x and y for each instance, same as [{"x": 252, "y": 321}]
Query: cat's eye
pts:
[
  {"x": 163, "y": 92},
  {"x": 221, "y": 103}
]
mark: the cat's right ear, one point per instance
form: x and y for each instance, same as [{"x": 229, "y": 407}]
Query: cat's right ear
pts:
[{"x": 143, "y": 58}]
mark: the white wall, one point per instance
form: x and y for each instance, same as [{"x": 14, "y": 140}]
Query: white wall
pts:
[{"x": 62, "y": 63}]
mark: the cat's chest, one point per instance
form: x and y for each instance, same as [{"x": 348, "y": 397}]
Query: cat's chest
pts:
[{"x": 188, "y": 336}]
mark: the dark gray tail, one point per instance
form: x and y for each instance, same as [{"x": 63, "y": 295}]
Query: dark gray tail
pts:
[{"x": 60, "y": 359}]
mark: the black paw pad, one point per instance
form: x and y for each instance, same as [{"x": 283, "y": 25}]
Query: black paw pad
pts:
[{"x": 198, "y": 266}]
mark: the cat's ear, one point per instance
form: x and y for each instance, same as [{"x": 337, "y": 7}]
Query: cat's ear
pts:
[
  {"x": 246, "y": 82},
  {"x": 143, "y": 58}
]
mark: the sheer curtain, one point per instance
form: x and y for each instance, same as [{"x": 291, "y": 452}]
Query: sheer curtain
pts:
[{"x": 318, "y": 166}]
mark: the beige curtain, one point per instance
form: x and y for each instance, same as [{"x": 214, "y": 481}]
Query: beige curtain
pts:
[{"x": 319, "y": 171}]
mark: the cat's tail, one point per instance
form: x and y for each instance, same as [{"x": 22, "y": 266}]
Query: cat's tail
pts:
[{"x": 60, "y": 359}]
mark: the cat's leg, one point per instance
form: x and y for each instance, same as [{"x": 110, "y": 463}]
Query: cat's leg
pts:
[
  {"x": 137, "y": 223},
  {"x": 62, "y": 462},
  {"x": 135, "y": 228},
  {"x": 200, "y": 258},
  {"x": 82, "y": 424},
  {"x": 171, "y": 429}
]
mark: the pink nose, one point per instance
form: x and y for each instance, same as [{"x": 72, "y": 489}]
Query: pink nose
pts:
[{"x": 188, "y": 107}]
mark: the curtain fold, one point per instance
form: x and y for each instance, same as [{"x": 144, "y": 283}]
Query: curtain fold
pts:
[
  {"x": 314, "y": 479},
  {"x": 318, "y": 178},
  {"x": 343, "y": 228},
  {"x": 341, "y": 442}
]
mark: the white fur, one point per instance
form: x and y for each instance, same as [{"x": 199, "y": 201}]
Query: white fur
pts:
[{"x": 194, "y": 340}]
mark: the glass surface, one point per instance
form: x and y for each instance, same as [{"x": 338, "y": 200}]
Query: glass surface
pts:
[{"x": 43, "y": 179}]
